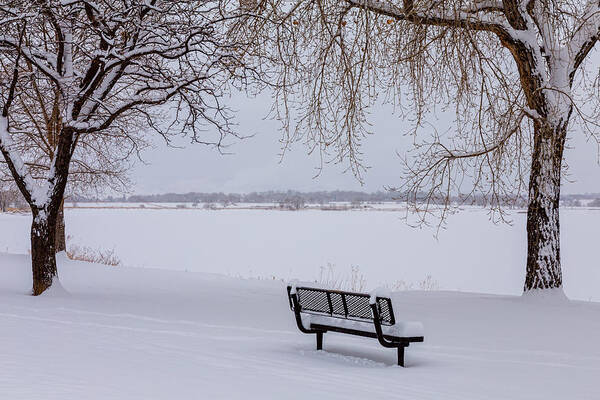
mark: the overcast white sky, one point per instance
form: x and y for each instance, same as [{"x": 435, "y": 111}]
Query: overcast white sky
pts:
[{"x": 255, "y": 163}]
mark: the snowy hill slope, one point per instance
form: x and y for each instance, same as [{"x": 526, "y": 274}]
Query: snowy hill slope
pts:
[{"x": 134, "y": 333}]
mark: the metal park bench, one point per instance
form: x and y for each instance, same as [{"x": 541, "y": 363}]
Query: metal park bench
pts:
[{"x": 320, "y": 310}]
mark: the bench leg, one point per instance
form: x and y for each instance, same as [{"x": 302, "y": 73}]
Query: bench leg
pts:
[
  {"x": 401, "y": 356},
  {"x": 319, "y": 340}
]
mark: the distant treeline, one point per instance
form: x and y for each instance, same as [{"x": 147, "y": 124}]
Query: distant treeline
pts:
[
  {"x": 322, "y": 197},
  {"x": 292, "y": 199},
  {"x": 256, "y": 197}
]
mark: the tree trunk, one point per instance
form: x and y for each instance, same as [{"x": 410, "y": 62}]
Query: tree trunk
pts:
[
  {"x": 43, "y": 228},
  {"x": 60, "y": 239},
  {"x": 543, "y": 225},
  {"x": 43, "y": 260}
]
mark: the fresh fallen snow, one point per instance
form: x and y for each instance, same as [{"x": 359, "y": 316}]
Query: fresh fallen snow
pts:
[{"x": 136, "y": 333}]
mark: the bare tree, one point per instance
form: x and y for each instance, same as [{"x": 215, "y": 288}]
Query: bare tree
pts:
[
  {"x": 158, "y": 65},
  {"x": 512, "y": 71}
]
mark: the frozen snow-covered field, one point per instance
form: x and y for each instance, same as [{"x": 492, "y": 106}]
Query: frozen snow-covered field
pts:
[
  {"x": 132, "y": 333},
  {"x": 472, "y": 255}
]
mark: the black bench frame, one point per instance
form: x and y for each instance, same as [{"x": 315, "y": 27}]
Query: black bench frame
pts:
[{"x": 319, "y": 329}]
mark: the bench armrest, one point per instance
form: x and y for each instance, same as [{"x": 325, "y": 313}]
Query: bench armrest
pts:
[
  {"x": 294, "y": 298},
  {"x": 382, "y": 340}
]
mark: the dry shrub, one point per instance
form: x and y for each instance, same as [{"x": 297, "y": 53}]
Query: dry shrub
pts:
[
  {"x": 97, "y": 256},
  {"x": 355, "y": 282},
  {"x": 429, "y": 283}
]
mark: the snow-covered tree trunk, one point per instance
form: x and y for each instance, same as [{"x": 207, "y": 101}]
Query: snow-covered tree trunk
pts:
[
  {"x": 42, "y": 252},
  {"x": 543, "y": 225},
  {"x": 553, "y": 106},
  {"x": 45, "y": 218}
]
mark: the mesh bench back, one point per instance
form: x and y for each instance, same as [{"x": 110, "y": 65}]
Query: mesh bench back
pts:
[{"x": 339, "y": 304}]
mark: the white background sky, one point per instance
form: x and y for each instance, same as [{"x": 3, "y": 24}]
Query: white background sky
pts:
[{"x": 255, "y": 164}]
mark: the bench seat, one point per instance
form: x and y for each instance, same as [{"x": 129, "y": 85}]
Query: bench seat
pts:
[{"x": 400, "y": 329}]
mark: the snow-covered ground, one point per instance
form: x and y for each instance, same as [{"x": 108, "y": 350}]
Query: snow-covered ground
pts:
[
  {"x": 132, "y": 333},
  {"x": 472, "y": 254},
  {"x": 189, "y": 327}
]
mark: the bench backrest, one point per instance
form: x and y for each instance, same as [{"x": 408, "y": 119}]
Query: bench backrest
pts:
[{"x": 340, "y": 304}]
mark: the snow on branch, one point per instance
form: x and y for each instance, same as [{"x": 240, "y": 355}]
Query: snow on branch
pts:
[
  {"x": 44, "y": 61},
  {"x": 148, "y": 96}
]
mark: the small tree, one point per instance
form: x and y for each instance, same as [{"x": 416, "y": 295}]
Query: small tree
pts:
[
  {"x": 160, "y": 66},
  {"x": 513, "y": 71}
]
